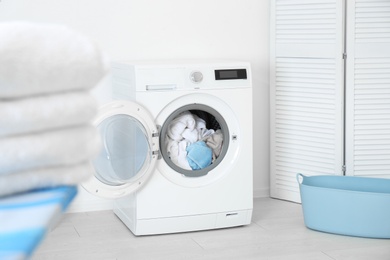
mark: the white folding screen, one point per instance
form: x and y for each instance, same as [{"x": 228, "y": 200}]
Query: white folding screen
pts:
[
  {"x": 368, "y": 88},
  {"x": 306, "y": 63}
]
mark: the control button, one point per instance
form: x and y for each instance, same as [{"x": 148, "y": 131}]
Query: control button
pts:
[{"x": 196, "y": 76}]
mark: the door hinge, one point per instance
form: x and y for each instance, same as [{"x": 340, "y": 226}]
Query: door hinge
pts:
[
  {"x": 157, "y": 134},
  {"x": 344, "y": 56},
  {"x": 344, "y": 168}
]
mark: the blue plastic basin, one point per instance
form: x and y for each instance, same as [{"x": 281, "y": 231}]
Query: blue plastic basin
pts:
[{"x": 346, "y": 205}]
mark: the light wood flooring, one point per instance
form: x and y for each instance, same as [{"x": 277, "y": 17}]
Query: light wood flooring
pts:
[{"x": 277, "y": 232}]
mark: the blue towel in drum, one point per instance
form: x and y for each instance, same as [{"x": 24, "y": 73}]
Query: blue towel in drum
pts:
[
  {"x": 25, "y": 219},
  {"x": 199, "y": 155}
]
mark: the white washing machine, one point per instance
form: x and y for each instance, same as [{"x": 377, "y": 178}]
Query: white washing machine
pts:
[{"x": 158, "y": 183}]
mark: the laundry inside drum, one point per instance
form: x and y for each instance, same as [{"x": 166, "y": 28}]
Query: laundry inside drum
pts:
[{"x": 194, "y": 140}]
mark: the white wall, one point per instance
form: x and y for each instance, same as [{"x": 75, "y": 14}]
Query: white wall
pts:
[{"x": 172, "y": 29}]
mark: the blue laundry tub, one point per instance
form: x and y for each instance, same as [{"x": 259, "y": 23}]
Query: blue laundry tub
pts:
[{"x": 346, "y": 205}]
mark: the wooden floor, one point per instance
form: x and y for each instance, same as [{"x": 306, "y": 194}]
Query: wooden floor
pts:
[{"x": 277, "y": 232}]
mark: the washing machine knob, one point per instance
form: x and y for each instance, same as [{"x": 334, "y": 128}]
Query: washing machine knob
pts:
[{"x": 196, "y": 76}]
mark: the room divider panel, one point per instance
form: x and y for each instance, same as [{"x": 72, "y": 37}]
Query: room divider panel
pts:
[{"x": 330, "y": 90}]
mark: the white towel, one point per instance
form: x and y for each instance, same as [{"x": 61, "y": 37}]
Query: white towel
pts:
[
  {"x": 177, "y": 126},
  {"x": 178, "y": 153},
  {"x": 200, "y": 123},
  {"x": 191, "y": 136},
  {"x": 44, "y": 177},
  {"x": 47, "y": 149},
  {"x": 45, "y": 58},
  {"x": 46, "y": 112},
  {"x": 200, "y": 132}
]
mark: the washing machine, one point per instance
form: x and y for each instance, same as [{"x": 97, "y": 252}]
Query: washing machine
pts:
[{"x": 160, "y": 179}]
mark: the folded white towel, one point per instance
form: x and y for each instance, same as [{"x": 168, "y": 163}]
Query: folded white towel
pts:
[
  {"x": 46, "y": 149},
  {"x": 45, "y": 58},
  {"x": 46, "y": 112},
  {"x": 44, "y": 177}
]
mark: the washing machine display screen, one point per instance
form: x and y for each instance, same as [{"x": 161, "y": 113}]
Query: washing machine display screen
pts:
[{"x": 230, "y": 74}]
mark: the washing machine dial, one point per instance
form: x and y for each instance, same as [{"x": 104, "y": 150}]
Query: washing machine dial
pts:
[{"x": 196, "y": 76}]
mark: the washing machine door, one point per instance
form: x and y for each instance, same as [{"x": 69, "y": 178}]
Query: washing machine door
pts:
[{"x": 129, "y": 150}]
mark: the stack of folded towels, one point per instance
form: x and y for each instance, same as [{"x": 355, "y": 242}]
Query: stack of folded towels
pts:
[{"x": 46, "y": 109}]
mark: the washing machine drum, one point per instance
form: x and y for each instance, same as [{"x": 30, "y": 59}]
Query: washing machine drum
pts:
[{"x": 194, "y": 140}]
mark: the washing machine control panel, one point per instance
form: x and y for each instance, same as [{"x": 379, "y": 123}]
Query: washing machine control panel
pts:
[
  {"x": 150, "y": 77},
  {"x": 196, "y": 76}
]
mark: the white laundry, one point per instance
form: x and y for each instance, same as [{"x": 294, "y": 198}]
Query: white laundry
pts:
[
  {"x": 40, "y": 58},
  {"x": 44, "y": 177},
  {"x": 183, "y": 121},
  {"x": 177, "y": 151},
  {"x": 200, "y": 123},
  {"x": 46, "y": 112},
  {"x": 188, "y": 129},
  {"x": 191, "y": 136},
  {"x": 198, "y": 133},
  {"x": 205, "y": 133},
  {"x": 46, "y": 149}
]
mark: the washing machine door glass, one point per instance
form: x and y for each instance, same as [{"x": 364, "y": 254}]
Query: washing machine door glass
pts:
[
  {"x": 125, "y": 150},
  {"x": 129, "y": 150}
]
